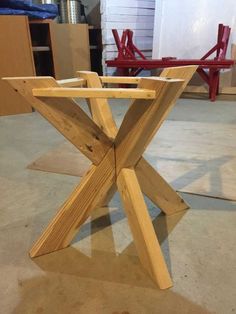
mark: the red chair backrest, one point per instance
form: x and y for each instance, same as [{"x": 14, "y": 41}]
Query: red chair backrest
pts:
[
  {"x": 221, "y": 45},
  {"x": 126, "y": 47}
]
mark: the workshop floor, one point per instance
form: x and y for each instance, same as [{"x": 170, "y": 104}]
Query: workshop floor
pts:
[{"x": 100, "y": 273}]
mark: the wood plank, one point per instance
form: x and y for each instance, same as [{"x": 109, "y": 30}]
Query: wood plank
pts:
[
  {"x": 185, "y": 73},
  {"x": 66, "y": 116},
  {"x": 143, "y": 120},
  {"x": 70, "y": 49},
  {"x": 120, "y": 79},
  {"x": 89, "y": 193},
  {"x": 158, "y": 190},
  {"x": 102, "y": 116},
  {"x": 228, "y": 90},
  {"x": 152, "y": 184},
  {"x": 15, "y": 41},
  {"x": 196, "y": 89},
  {"x": 74, "y": 82},
  {"x": 145, "y": 239},
  {"x": 99, "y": 107},
  {"x": 94, "y": 93},
  {"x": 69, "y": 160}
]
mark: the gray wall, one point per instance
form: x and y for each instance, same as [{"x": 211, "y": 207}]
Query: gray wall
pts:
[{"x": 93, "y": 12}]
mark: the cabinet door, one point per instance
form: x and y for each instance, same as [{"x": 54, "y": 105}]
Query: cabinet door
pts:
[
  {"x": 70, "y": 49},
  {"x": 16, "y": 59}
]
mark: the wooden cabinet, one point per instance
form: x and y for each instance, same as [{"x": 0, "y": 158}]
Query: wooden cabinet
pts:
[
  {"x": 60, "y": 49},
  {"x": 70, "y": 49},
  {"x": 16, "y": 59},
  {"x": 39, "y": 48}
]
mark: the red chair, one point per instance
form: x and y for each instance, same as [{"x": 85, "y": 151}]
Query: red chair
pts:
[{"x": 130, "y": 61}]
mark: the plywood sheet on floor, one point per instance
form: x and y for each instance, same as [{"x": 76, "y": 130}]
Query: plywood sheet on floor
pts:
[
  {"x": 195, "y": 157},
  {"x": 65, "y": 159}
]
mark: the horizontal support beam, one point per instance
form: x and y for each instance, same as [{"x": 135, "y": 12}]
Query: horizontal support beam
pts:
[
  {"x": 73, "y": 82},
  {"x": 113, "y": 79},
  {"x": 159, "y": 63},
  {"x": 120, "y": 79},
  {"x": 134, "y": 93}
]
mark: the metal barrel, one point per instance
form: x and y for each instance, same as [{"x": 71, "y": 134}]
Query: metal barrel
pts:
[
  {"x": 63, "y": 11},
  {"x": 74, "y": 11}
]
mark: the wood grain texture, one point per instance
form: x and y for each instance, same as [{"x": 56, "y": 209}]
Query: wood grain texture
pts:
[
  {"x": 185, "y": 73},
  {"x": 102, "y": 116},
  {"x": 89, "y": 193},
  {"x": 143, "y": 119},
  {"x": 100, "y": 109},
  {"x": 152, "y": 184},
  {"x": 16, "y": 60},
  {"x": 66, "y": 116},
  {"x": 145, "y": 239},
  {"x": 70, "y": 49},
  {"x": 120, "y": 79},
  {"x": 158, "y": 190},
  {"x": 74, "y": 82},
  {"x": 132, "y": 93}
]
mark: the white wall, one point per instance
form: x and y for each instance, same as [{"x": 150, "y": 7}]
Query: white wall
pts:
[
  {"x": 188, "y": 28},
  {"x": 137, "y": 15}
]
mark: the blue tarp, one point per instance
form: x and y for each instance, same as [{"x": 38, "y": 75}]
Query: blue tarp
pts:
[{"x": 24, "y": 7}]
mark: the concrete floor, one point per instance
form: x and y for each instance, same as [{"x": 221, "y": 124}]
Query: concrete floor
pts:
[{"x": 100, "y": 272}]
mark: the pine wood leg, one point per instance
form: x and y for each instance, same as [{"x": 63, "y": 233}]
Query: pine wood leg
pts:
[
  {"x": 114, "y": 154},
  {"x": 158, "y": 190},
  {"x": 145, "y": 239},
  {"x": 89, "y": 193},
  {"x": 105, "y": 202}
]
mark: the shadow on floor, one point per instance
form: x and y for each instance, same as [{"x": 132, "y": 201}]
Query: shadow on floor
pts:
[
  {"x": 60, "y": 294},
  {"x": 103, "y": 261},
  {"x": 106, "y": 281}
]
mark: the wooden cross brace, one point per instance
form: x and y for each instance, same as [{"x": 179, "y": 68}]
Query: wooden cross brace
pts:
[{"x": 116, "y": 156}]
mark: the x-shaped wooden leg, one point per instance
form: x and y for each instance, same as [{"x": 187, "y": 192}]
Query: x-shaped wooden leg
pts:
[
  {"x": 152, "y": 184},
  {"x": 117, "y": 159}
]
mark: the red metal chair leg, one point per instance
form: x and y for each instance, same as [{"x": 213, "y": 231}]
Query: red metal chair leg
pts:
[
  {"x": 123, "y": 72},
  {"x": 218, "y": 85},
  {"x": 213, "y": 83}
]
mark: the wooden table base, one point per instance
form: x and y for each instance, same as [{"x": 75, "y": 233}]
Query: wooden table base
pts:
[{"x": 116, "y": 155}]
